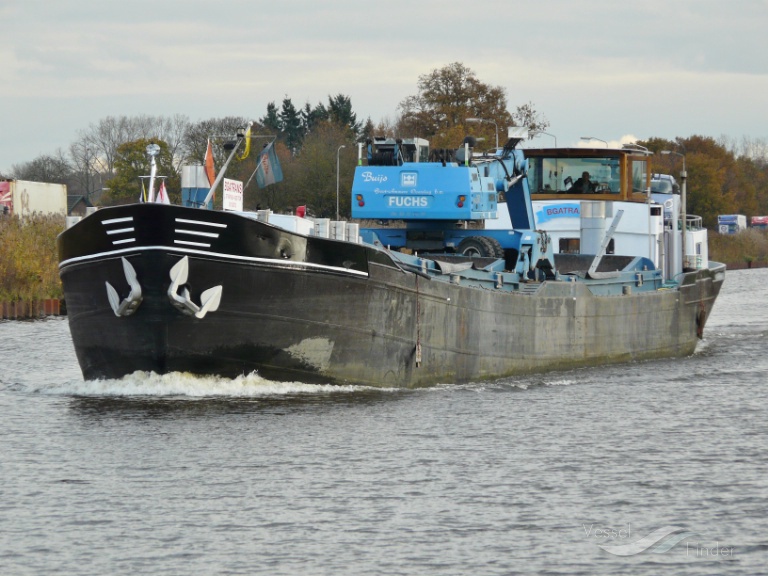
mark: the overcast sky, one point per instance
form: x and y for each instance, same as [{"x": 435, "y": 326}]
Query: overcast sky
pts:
[{"x": 611, "y": 69}]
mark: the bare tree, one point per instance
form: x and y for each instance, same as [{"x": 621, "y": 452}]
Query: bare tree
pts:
[
  {"x": 111, "y": 132},
  {"x": 46, "y": 168},
  {"x": 95, "y": 152},
  {"x": 755, "y": 149},
  {"x": 526, "y": 115},
  {"x": 387, "y": 128},
  {"x": 105, "y": 137},
  {"x": 173, "y": 131},
  {"x": 88, "y": 174},
  {"x": 218, "y": 130}
]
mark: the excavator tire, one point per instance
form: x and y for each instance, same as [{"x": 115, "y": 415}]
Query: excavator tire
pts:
[{"x": 480, "y": 246}]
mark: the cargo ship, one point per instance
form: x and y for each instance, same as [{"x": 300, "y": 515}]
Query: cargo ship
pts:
[{"x": 454, "y": 280}]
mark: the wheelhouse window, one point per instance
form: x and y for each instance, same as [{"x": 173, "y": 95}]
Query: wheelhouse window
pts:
[
  {"x": 567, "y": 175},
  {"x": 639, "y": 175}
]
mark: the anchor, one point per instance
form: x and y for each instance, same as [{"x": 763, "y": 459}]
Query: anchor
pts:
[
  {"x": 209, "y": 299},
  {"x": 129, "y": 305}
]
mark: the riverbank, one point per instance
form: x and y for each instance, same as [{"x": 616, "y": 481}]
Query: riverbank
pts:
[
  {"x": 20, "y": 310},
  {"x": 29, "y": 267},
  {"x": 747, "y": 249},
  {"x": 746, "y": 265}
]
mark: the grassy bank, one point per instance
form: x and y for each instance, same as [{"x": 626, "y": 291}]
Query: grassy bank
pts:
[
  {"x": 28, "y": 259},
  {"x": 749, "y": 246}
]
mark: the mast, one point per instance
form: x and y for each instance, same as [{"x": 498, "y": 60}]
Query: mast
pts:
[
  {"x": 220, "y": 175},
  {"x": 152, "y": 151}
]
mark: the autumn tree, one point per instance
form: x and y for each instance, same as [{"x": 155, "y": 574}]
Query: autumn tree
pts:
[
  {"x": 748, "y": 181},
  {"x": 310, "y": 177},
  {"x": 278, "y": 196},
  {"x": 706, "y": 196},
  {"x": 450, "y": 95},
  {"x": 716, "y": 182}
]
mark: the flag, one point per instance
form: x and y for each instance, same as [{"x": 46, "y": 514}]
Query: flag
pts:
[
  {"x": 162, "y": 195},
  {"x": 247, "y": 144},
  {"x": 268, "y": 170},
  {"x": 210, "y": 170},
  {"x": 143, "y": 195}
]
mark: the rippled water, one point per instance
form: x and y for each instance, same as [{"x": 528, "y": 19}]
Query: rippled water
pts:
[{"x": 555, "y": 474}]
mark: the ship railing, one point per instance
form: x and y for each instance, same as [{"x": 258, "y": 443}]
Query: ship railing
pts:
[{"x": 693, "y": 222}]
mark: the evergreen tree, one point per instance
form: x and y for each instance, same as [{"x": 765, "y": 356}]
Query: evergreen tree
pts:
[
  {"x": 340, "y": 112},
  {"x": 271, "y": 121},
  {"x": 290, "y": 121},
  {"x": 368, "y": 130},
  {"x": 311, "y": 117}
]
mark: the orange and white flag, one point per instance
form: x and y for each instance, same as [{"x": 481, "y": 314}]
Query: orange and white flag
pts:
[{"x": 210, "y": 169}]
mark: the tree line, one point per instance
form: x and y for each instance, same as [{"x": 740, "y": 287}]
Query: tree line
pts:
[
  {"x": 108, "y": 158},
  {"x": 724, "y": 176}
]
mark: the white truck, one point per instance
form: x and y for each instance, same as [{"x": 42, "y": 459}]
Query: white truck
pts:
[
  {"x": 731, "y": 223},
  {"x": 22, "y": 198}
]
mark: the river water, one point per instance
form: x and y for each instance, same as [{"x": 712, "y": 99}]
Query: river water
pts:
[{"x": 646, "y": 468}]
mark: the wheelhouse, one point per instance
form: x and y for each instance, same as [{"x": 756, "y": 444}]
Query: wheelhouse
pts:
[{"x": 614, "y": 174}]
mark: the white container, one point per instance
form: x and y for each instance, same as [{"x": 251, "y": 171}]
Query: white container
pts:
[
  {"x": 263, "y": 215},
  {"x": 322, "y": 227},
  {"x": 338, "y": 230},
  {"x": 353, "y": 232},
  {"x": 292, "y": 223}
]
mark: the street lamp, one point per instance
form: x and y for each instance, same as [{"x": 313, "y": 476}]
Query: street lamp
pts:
[
  {"x": 552, "y": 135},
  {"x": 683, "y": 207},
  {"x": 593, "y": 138},
  {"x": 337, "y": 180},
  {"x": 87, "y": 162},
  {"x": 481, "y": 120},
  {"x": 635, "y": 146}
]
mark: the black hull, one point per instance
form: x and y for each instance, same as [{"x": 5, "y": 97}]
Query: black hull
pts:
[{"x": 317, "y": 310}]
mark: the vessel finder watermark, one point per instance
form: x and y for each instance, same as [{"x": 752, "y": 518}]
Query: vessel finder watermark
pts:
[{"x": 621, "y": 540}]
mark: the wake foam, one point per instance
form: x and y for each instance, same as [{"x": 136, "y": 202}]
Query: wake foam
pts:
[{"x": 180, "y": 384}]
